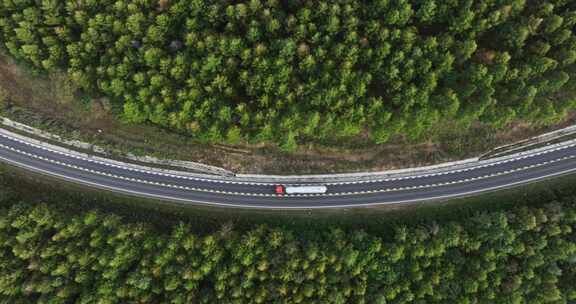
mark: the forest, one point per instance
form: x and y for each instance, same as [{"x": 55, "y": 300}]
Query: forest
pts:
[
  {"x": 524, "y": 255},
  {"x": 287, "y": 71}
]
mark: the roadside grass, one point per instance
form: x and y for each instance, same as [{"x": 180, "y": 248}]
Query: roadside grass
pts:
[
  {"x": 20, "y": 185},
  {"x": 53, "y": 103}
]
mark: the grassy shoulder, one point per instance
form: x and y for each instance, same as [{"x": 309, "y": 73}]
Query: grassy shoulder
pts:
[{"x": 54, "y": 104}]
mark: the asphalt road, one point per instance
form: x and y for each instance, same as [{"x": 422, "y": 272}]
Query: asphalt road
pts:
[{"x": 485, "y": 176}]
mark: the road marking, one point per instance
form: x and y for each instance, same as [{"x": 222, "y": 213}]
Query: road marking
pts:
[
  {"x": 276, "y": 207},
  {"x": 274, "y": 195},
  {"x": 551, "y": 148},
  {"x": 126, "y": 167}
]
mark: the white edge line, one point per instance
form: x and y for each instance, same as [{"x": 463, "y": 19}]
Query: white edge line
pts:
[
  {"x": 142, "y": 194},
  {"x": 148, "y": 182},
  {"x": 520, "y": 156}
]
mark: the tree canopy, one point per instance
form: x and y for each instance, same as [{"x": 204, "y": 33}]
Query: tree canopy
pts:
[
  {"x": 527, "y": 255},
  {"x": 285, "y": 70}
]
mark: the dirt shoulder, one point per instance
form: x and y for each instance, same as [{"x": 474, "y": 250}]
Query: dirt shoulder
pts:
[{"x": 52, "y": 103}]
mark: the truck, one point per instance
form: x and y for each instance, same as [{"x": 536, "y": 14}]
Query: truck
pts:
[{"x": 300, "y": 189}]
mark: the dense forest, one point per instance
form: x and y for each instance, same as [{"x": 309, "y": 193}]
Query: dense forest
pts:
[
  {"x": 527, "y": 255},
  {"x": 289, "y": 70}
]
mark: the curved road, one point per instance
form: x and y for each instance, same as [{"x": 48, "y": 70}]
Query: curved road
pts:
[{"x": 483, "y": 176}]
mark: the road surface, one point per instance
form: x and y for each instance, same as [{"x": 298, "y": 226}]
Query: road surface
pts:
[{"x": 228, "y": 192}]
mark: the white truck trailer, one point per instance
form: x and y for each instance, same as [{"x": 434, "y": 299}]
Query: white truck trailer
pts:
[{"x": 299, "y": 189}]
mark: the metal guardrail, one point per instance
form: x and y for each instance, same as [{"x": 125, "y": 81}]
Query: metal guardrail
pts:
[
  {"x": 223, "y": 173},
  {"x": 194, "y": 166},
  {"x": 523, "y": 144}
]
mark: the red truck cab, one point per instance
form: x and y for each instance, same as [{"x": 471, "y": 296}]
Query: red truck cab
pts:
[{"x": 279, "y": 189}]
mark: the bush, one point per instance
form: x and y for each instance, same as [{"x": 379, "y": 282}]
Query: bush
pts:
[{"x": 3, "y": 95}]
